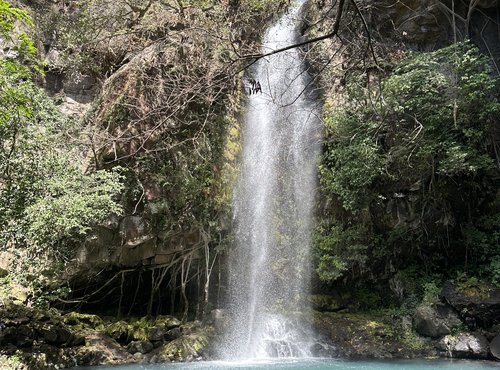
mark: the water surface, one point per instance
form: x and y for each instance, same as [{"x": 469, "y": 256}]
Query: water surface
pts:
[{"x": 318, "y": 365}]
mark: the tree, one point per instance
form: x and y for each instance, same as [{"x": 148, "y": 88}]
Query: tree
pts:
[
  {"x": 414, "y": 164},
  {"x": 47, "y": 202}
]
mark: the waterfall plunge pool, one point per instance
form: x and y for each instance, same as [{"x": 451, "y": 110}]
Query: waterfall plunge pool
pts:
[{"x": 315, "y": 364}]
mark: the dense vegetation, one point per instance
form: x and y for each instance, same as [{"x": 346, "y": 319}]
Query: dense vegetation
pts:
[
  {"x": 409, "y": 173},
  {"x": 123, "y": 207},
  {"x": 48, "y": 200},
  {"x": 158, "y": 144},
  {"x": 412, "y": 174}
]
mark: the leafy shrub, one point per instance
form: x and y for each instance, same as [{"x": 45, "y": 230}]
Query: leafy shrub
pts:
[
  {"x": 411, "y": 167},
  {"x": 47, "y": 200}
]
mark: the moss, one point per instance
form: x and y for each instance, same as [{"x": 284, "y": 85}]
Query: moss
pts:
[
  {"x": 119, "y": 331},
  {"x": 371, "y": 334},
  {"x": 411, "y": 340},
  {"x": 473, "y": 287},
  {"x": 136, "y": 329},
  {"x": 168, "y": 322},
  {"x": 84, "y": 321},
  {"x": 185, "y": 348},
  {"x": 137, "y": 332}
]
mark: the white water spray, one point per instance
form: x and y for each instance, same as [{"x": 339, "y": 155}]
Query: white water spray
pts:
[{"x": 269, "y": 267}]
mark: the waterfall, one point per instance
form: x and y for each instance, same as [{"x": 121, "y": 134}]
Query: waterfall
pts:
[{"x": 273, "y": 202}]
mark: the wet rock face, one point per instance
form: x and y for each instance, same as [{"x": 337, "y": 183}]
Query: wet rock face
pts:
[
  {"x": 466, "y": 345},
  {"x": 101, "y": 350},
  {"x": 134, "y": 231},
  {"x": 435, "y": 321}
]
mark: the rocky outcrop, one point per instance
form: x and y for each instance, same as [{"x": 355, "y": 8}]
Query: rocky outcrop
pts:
[
  {"x": 423, "y": 24},
  {"x": 101, "y": 350},
  {"x": 44, "y": 340},
  {"x": 141, "y": 346},
  {"x": 495, "y": 347},
  {"x": 435, "y": 321},
  {"x": 37, "y": 339},
  {"x": 466, "y": 345},
  {"x": 367, "y": 335},
  {"x": 187, "y": 348},
  {"x": 478, "y": 308}
]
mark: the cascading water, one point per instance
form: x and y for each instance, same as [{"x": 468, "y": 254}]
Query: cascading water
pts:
[{"x": 269, "y": 268}]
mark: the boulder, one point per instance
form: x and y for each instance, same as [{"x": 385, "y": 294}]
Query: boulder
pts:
[
  {"x": 172, "y": 334},
  {"x": 141, "y": 346},
  {"x": 477, "y": 310},
  {"x": 168, "y": 322},
  {"x": 101, "y": 350},
  {"x": 495, "y": 347},
  {"x": 84, "y": 320},
  {"x": 186, "y": 348},
  {"x": 466, "y": 345},
  {"x": 435, "y": 321},
  {"x": 156, "y": 333},
  {"x": 323, "y": 349},
  {"x": 119, "y": 331},
  {"x": 55, "y": 334},
  {"x": 161, "y": 333},
  {"x": 22, "y": 336}
]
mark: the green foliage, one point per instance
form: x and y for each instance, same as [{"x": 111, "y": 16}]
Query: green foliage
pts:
[
  {"x": 412, "y": 162},
  {"x": 419, "y": 286},
  {"x": 340, "y": 249},
  {"x": 94, "y": 37},
  {"x": 348, "y": 170},
  {"x": 472, "y": 286},
  {"x": 260, "y": 5},
  {"x": 431, "y": 293},
  {"x": 8, "y": 18},
  {"x": 47, "y": 201},
  {"x": 367, "y": 298},
  {"x": 70, "y": 203},
  {"x": 45, "y": 197}
]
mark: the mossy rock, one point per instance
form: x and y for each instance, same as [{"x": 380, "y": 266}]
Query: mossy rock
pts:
[
  {"x": 119, "y": 331},
  {"x": 371, "y": 334},
  {"x": 19, "y": 294},
  {"x": 84, "y": 321},
  {"x": 138, "y": 332},
  {"x": 185, "y": 348},
  {"x": 168, "y": 322},
  {"x": 138, "y": 329},
  {"x": 191, "y": 327}
]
